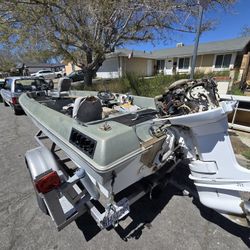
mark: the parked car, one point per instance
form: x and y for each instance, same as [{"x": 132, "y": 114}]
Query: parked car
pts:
[
  {"x": 13, "y": 87},
  {"x": 1, "y": 86},
  {"x": 77, "y": 76},
  {"x": 1, "y": 82},
  {"x": 60, "y": 73},
  {"x": 48, "y": 74}
]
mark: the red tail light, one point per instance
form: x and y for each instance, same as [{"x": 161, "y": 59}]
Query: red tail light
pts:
[
  {"x": 14, "y": 100},
  {"x": 48, "y": 182}
]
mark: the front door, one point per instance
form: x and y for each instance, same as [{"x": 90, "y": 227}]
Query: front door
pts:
[
  {"x": 169, "y": 66},
  {"x": 150, "y": 67}
]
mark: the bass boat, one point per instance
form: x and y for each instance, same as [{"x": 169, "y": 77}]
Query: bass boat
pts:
[{"x": 93, "y": 146}]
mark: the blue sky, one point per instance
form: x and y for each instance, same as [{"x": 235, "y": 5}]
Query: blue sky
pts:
[{"x": 229, "y": 26}]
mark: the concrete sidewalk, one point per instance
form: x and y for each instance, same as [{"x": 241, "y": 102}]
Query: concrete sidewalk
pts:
[{"x": 222, "y": 87}]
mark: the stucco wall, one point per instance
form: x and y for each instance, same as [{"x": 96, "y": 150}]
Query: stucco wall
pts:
[
  {"x": 70, "y": 67},
  {"x": 109, "y": 68},
  {"x": 135, "y": 65},
  {"x": 204, "y": 63},
  {"x": 109, "y": 65}
]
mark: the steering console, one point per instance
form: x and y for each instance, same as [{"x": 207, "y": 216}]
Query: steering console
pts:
[{"x": 105, "y": 96}]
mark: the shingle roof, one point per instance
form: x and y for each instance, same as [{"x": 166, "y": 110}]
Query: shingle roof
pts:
[
  {"x": 136, "y": 53},
  {"x": 39, "y": 65},
  {"x": 232, "y": 45},
  {"x": 237, "y": 44}
]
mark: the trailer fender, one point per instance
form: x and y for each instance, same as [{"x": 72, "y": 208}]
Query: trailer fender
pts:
[{"x": 41, "y": 161}]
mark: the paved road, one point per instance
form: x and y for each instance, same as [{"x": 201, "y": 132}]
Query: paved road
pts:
[{"x": 171, "y": 222}]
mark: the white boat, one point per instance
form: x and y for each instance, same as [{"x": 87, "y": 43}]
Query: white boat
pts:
[{"x": 118, "y": 141}]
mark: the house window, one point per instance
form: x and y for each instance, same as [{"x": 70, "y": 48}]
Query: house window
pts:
[
  {"x": 184, "y": 63},
  {"x": 223, "y": 61},
  {"x": 160, "y": 64}
]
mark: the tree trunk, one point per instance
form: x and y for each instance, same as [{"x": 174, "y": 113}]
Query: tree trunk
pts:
[
  {"x": 88, "y": 71},
  {"x": 88, "y": 77}
]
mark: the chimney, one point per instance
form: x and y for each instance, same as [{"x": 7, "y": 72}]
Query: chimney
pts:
[{"x": 178, "y": 45}]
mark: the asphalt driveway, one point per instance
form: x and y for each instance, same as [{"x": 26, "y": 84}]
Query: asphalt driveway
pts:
[{"x": 172, "y": 221}]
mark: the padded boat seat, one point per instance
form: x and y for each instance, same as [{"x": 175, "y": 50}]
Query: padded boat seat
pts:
[
  {"x": 87, "y": 109},
  {"x": 63, "y": 89}
]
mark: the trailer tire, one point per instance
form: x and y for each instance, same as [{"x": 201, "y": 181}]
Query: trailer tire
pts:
[{"x": 5, "y": 103}]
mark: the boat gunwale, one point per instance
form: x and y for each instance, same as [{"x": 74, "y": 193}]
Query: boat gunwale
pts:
[{"x": 91, "y": 163}]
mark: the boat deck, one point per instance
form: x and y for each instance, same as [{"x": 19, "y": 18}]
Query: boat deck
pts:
[
  {"x": 111, "y": 112},
  {"x": 134, "y": 119}
]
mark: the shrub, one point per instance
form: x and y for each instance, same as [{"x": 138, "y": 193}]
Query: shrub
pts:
[
  {"x": 144, "y": 86},
  {"x": 236, "y": 89},
  {"x": 246, "y": 154}
]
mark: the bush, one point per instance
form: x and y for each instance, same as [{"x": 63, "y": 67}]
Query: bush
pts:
[
  {"x": 246, "y": 154},
  {"x": 236, "y": 89},
  {"x": 149, "y": 86},
  {"x": 200, "y": 74}
]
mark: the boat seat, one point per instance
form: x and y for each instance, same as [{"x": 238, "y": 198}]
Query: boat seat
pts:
[
  {"x": 87, "y": 109},
  {"x": 64, "y": 85}
]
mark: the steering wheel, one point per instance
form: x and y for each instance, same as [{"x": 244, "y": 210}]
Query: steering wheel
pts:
[
  {"x": 50, "y": 85},
  {"x": 105, "y": 95}
]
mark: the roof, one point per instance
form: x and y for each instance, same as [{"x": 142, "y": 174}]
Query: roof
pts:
[
  {"x": 39, "y": 65},
  {"x": 232, "y": 45},
  {"x": 134, "y": 53},
  {"x": 225, "y": 46}
]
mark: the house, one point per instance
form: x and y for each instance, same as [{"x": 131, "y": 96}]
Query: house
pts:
[
  {"x": 121, "y": 62},
  {"x": 217, "y": 56},
  {"x": 34, "y": 67}
]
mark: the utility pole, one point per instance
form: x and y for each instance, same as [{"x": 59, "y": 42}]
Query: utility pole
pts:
[{"x": 198, "y": 33}]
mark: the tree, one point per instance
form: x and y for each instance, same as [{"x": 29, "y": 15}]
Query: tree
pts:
[
  {"x": 245, "y": 31},
  {"x": 6, "y": 62},
  {"x": 36, "y": 55},
  {"x": 84, "y": 31}
]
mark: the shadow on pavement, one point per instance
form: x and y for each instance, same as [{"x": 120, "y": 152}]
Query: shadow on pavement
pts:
[
  {"x": 227, "y": 225},
  {"x": 140, "y": 220},
  {"x": 145, "y": 210},
  {"x": 88, "y": 226},
  {"x": 142, "y": 213},
  {"x": 210, "y": 214}
]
